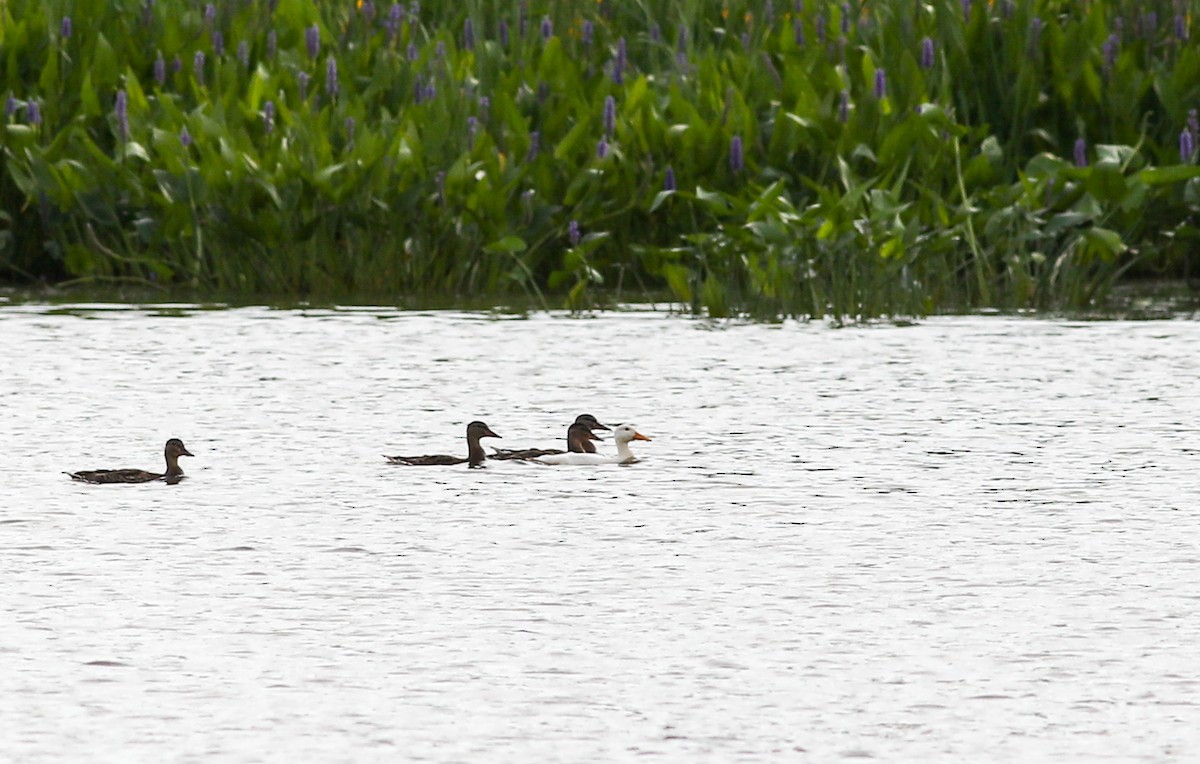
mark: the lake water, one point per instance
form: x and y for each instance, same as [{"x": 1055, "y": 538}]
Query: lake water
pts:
[{"x": 973, "y": 539}]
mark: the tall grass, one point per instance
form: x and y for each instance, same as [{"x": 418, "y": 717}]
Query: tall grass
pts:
[{"x": 780, "y": 159}]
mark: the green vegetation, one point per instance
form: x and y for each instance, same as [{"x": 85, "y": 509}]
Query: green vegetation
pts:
[{"x": 776, "y": 159}]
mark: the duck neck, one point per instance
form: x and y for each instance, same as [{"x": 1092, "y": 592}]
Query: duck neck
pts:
[
  {"x": 476, "y": 456},
  {"x": 579, "y": 442},
  {"x": 173, "y": 468},
  {"x": 623, "y": 450}
]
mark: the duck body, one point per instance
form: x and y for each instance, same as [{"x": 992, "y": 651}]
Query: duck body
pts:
[
  {"x": 174, "y": 449},
  {"x": 623, "y": 435},
  {"x": 579, "y": 440},
  {"x": 475, "y": 457}
]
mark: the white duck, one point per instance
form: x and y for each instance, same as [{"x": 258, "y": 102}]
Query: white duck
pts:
[{"x": 623, "y": 434}]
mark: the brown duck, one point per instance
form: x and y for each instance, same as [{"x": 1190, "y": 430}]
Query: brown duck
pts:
[
  {"x": 174, "y": 473},
  {"x": 475, "y": 454},
  {"x": 579, "y": 441}
]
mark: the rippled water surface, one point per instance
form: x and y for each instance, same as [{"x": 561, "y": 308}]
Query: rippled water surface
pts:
[{"x": 974, "y": 539}]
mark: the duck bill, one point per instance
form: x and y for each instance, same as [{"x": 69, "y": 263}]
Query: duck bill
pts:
[
  {"x": 602, "y": 427},
  {"x": 490, "y": 434},
  {"x": 639, "y": 436},
  {"x": 185, "y": 452}
]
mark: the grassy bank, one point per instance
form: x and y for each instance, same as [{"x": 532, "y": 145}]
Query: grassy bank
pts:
[{"x": 788, "y": 158}]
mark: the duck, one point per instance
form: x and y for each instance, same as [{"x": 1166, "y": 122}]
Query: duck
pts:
[
  {"x": 174, "y": 449},
  {"x": 623, "y": 434},
  {"x": 579, "y": 440},
  {"x": 475, "y": 457}
]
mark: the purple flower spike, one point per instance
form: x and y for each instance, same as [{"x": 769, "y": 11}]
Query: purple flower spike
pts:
[
  {"x": 573, "y": 233},
  {"x": 798, "y": 31},
  {"x": 414, "y": 11},
  {"x": 198, "y": 66},
  {"x": 176, "y": 64},
  {"x": 1035, "y": 31},
  {"x": 846, "y": 18},
  {"x": 736, "y": 160},
  {"x": 1081, "y": 153},
  {"x": 160, "y": 70},
  {"x": 218, "y": 41},
  {"x": 844, "y": 108},
  {"x": 121, "y": 112},
  {"x": 331, "y": 78},
  {"x": 243, "y": 53},
  {"x": 210, "y": 14},
  {"x": 656, "y": 33},
  {"x": 669, "y": 179},
  {"x": 1181, "y": 30},
  {"x": 64, "y": 30},
  {"x": 618, "y": 70},
  {"x": 368, "y": 10},
  {"x": 966, "y": 8},
  {"x": 413, "y": 54},
  {"x": 589, "y": 29},
  {"x": 302, "y": 85},
  {"x": 602, "y": 149},
  {"x": 312, "y": 40},
  {"x": 439, "y": 50},
  {"x": 682, "y": 44},
  {"x": 33, "y": 112},
  {"x": 472, "y": 129},
  {"x": 485, "y": 105},
  {"x": 1187, "y": 146},
  {"x": 927, "y": 53},
  {"x": 269, "y": 117},
  {"x": 504, "y": 32},
  {"x": 880, "y": 84},
  {"x": 350, "y": 127},
  {"x": 1109, "y": 52},
  {"x": 468, "y": 34},
  {"x": 272, "y": 44},
  {"x": 10, "y": 106},
  {"x": 610, "y": 116},
  {"x": 535, "y": 145},
  {"x": 547, "y": 28},
  {"x": 1149, "y": 24},
  {"x": 395, "y": 18},
  {"x": 185, "y": 138},
  {"x": 523, "y": 19},
  {"x": 821, "y": 31}
]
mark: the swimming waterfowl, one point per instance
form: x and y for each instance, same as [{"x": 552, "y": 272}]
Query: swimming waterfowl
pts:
[
  {"x": 174, "y": 449},
  {"x": 579, "y": 440},
  {"x": 475, "y": 453},
  {"x": 623, "y": 434}
]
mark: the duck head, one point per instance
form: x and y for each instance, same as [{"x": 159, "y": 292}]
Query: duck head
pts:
[
  {"x": 176, "y": 449},
  {"x": 590, "y": 422},
  {"x": 477, "y": 430},
  {"x": 624, "y": 433}
]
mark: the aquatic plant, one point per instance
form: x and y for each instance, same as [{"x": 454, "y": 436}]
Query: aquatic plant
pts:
[{"x": 814, "y": 159}]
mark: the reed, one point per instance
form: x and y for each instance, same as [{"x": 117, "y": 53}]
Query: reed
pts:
[{"x": 810, "y": 159}]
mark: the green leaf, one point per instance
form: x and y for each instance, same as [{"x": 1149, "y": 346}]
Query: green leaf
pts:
[{"x": 507, "y": 245}]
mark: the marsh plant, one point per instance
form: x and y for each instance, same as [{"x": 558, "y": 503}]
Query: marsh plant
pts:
[{"x": 809, "y": 159}]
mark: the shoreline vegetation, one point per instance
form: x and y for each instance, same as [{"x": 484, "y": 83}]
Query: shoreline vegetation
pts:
[{"x": 846, "y": 161}]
